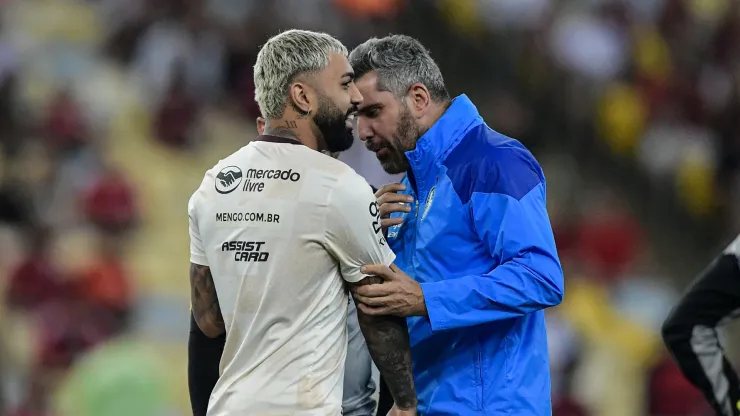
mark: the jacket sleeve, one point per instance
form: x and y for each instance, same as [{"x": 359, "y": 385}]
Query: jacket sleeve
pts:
[
  {"x": 518, "y": 235},
  {"x": 691, "y": 332}
]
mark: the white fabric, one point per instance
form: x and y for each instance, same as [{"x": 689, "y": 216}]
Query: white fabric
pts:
[
  {"x": 278, "y": 281},
  {"x": 367, "y": 165}
]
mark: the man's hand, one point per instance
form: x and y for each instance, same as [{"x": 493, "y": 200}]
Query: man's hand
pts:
[
  {"x": 398, "y": 295},
  {"x": 389, "y": 201},
  {"x": 398, "y": 412}
]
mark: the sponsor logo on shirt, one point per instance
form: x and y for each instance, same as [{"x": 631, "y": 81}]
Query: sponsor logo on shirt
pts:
[
  {"x": 228, "y": 179},
  {"x": 247, "y": 217},
  {"x": 256, "y": 177},
  {"x": 246, "y": 251},
  {"x": 375, "y": 214}
]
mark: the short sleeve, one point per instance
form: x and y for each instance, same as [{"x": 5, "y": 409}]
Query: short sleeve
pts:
[
  {"x": 353, "y": 234},
  {"x": 197, "y": 254}
]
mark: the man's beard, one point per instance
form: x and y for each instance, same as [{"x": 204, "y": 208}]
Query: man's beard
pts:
[
  {"x": 331, "y": 122},
  {"x": 404, "y": 139}
]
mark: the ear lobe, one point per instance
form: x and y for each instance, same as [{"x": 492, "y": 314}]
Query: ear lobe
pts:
[{"x": 299, "y": 95}]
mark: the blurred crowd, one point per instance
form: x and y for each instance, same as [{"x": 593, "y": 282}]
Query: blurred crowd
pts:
[{"x": 111, "y": 110}]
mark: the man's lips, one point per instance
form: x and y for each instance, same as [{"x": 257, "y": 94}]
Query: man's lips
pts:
[
  {"x": 350, "y": 120},
  {"x": 382, "y": 152}
]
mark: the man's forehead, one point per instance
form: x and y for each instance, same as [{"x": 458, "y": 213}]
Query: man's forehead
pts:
[
  {"x": 368, "y": 82},
  {"x": 340, "y": 64},
  {"x": 368, "y": 86}
]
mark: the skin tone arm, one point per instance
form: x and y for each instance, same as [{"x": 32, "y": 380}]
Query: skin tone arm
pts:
[
  {"x": 206, "y": 309},
  {"x": 387, "y": 338}
]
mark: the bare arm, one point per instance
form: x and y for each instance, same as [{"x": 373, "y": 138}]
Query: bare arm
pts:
[
  {"x": 206, "y": 309},
  {"x": 387, "y": 338}
]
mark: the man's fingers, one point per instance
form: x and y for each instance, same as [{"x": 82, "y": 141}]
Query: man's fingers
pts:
[
  {"x": 370, "y": 301},
  {"x": 391, "y": 187},
  {"x": 390, "y": 222},
  {"x": 389, "y": 201},
  {"x": 394, "y": 197},
  {"x": 377, "y": 270},
  {"x": 372, "y": 291},
  {"x": 372, "y": 311},
  {"x": 388, "y": 209}
]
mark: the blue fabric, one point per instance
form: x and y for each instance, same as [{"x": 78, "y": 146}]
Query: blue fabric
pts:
[{"x": 479, "y": 241}]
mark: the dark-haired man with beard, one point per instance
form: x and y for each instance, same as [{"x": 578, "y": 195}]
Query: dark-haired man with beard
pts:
[
  {"x": 470, "y": 226},
  {"x": 277, "y": 230}
]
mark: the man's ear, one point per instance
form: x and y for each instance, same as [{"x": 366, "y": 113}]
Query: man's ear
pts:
[
  {"x": 302, "y": 96},
  {"x": 418, "y": 99},
  {"x": 260, "y": 125}
]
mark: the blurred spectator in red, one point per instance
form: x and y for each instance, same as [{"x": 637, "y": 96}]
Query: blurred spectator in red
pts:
[
  {"x": 566, "y": 237},
  {"x": 387, "y": 9},
  {"x": 609, "y": 238},
  {"x": 110, "y": 203},
  {"x": 566, "y": 406},
  {"x": 105, "y": 285},
  {"x": 36, "y": 281},
  {"x": 670, "y": 394},
  {"x": 175, "y": 118},
  {"x": 65, "y": 124},
  {"x": 67, "y": 327}
]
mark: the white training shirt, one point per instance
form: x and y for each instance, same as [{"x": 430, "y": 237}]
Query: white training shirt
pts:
[{"x": 280, "y": 225}]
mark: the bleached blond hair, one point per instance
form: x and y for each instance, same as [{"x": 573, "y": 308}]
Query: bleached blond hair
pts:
[{"x": 282, "y": 58}]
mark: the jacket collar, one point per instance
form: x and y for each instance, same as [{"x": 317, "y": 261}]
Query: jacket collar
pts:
[{"x": 441, "y": 138}]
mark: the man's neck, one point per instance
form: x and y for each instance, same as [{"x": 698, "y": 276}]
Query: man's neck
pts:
[
  {"x": 281, "y": 131},
  {"x": 435, "y": 114},
  {"x": 291, "y": 128}
]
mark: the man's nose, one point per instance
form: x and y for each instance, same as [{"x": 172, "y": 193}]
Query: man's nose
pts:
[
  {"x": 364, "y": 129},
  {"x": 355, "y": 95}
]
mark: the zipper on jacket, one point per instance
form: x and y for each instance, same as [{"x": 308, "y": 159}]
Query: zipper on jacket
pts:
[
  {"x": 416, "y": 231},
  {"x": 415, "y": 192}
]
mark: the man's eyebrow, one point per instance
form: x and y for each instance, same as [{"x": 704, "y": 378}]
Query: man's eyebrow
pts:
[{"x": 349, "y": 74}]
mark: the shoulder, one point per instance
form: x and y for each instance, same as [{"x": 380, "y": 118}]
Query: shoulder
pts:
[
  {"x": 351, "y": 187},
  {"x": 331, "y": 165},
  {"x": 223, "y": 178},
  {"x": 486, "y": 161}
]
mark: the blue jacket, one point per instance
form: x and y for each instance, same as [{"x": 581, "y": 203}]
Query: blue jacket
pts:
[{"x": 479, "y": 241}]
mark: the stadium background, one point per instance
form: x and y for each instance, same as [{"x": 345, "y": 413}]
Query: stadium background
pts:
[{"x": 111, "y": 110}]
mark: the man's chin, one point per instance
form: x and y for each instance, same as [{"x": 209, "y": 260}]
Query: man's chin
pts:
[{"x": 391, "y": 167}]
